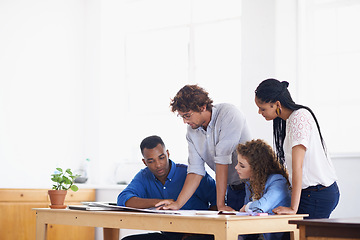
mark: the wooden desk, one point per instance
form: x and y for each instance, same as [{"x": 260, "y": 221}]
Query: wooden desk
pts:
[
  {"x": 336, "y": 228},
  {"x": 224, "y": 227}
]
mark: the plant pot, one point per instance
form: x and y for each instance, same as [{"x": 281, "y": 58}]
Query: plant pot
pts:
[{"x": 57, "y": 198}]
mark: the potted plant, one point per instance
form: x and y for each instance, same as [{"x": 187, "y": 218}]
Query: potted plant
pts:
[{"x": 63, "y": 182}]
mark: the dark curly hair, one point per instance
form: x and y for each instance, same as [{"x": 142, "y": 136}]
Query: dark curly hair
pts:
[
  {"x": 263, "y": 162},
  {"x": 191, "y": 97}
]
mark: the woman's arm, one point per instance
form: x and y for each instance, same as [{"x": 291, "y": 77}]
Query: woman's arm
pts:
[{"x": 298, "y": 154}]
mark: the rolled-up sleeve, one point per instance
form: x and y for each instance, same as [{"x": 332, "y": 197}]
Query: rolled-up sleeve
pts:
[
  {"x": 196, "y": 163},
  {"x": 134, "y": 189},
  {"x": 230, "y": 126}
]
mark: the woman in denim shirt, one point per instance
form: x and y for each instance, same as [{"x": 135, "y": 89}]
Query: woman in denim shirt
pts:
[{"x": 267, "y": 184}]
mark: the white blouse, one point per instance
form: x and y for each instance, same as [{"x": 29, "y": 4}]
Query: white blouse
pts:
[{"x": 301, "y": 129}]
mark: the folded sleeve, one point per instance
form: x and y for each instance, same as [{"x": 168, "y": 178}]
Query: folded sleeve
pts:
[
  {"x": 232, "y": 130},
  {"x": 196, "y": 163},
  {"x": 135, "y": 188}
]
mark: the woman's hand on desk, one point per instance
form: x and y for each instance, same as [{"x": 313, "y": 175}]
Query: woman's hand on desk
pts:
[
  {"x": 243, "y": 208},
  {"x": 284, "y": 210}
]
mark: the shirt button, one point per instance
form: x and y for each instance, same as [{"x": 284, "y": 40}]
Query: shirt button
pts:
[{"x": 164, "y": 188}]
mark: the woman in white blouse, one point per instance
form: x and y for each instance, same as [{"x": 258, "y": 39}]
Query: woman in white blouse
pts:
[{"x": 300, "y": 146}]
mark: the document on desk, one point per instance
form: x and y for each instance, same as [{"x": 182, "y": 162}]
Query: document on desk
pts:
[
  {"x": 242, "y": 213},
  {"x": 103, "y": 206},
  {"x": 91, "y": 208}
]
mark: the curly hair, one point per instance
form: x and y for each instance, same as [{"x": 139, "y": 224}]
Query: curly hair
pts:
[
  {"x": 191, "y": 97},
  {"x": 263, "y": 162}
]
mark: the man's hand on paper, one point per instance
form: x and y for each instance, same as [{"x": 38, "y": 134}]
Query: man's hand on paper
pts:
[
  {"x": 167, "y": 205},
  {"x": 164, "y": 203}
]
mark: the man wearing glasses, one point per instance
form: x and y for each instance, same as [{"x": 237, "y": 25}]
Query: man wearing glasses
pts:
[{"x": 213, "y": 133}]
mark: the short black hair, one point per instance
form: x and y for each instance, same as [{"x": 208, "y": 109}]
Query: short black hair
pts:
[{"x": 151, "y": 142}]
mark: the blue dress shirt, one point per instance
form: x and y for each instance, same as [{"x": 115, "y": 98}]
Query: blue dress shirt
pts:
[
  {"x": 276, "y": 193},
  {"x": 146, "y": 185}
]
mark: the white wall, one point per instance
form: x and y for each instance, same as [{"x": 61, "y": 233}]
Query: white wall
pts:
[
  {"x": 348, "y": 181},
  {"x": 42, "y": 94},
  {"x": 258, "y": 60},
  {"x": 63, "y": 93}
]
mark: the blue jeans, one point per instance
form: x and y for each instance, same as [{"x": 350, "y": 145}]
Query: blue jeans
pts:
[{"x": 319, "y": 201}]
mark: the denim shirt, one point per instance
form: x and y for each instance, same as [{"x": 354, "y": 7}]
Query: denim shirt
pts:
[
  {"x": 146, "y": 185},
  {"x": 276, "y": 193}
]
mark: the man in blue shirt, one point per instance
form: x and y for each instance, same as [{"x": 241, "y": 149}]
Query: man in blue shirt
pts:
[{"x": 162, "y": 179}]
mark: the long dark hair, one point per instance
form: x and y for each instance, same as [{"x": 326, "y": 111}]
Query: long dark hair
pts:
[{"x": 270, "y": 91}]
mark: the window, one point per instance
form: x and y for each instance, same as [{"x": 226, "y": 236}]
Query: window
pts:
[
  {"x": 329, "y": 69},
  {"x": 169, "y": 44}
]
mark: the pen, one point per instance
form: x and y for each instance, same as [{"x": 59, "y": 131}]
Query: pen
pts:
[{"x": 161, "y": 205}]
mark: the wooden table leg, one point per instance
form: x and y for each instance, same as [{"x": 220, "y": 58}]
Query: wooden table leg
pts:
[
  {"x": 302, "y": 232},
  {"x": 295, "y": 235},
  {"x": 41, "y": 230},
  {"x": 111, "y": 233}
]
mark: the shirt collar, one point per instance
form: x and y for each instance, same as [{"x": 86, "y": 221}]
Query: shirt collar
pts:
[
  {"x": 211, "y": 124},
  {"x": 214, "y": 114}
]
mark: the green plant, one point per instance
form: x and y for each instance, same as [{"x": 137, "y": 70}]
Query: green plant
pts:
[{"x": 64, "y": 180}]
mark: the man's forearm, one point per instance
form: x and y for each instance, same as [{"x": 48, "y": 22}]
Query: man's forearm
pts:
[
  {"x": 221, "y": 184},
  {"x": 137, "y": 202},
  {"x": 192, "y": 182}
]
